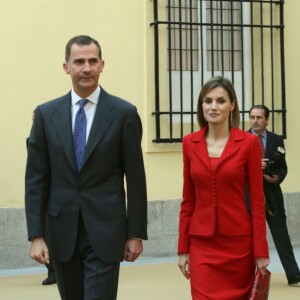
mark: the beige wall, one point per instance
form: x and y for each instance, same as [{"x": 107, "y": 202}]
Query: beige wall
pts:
[
  {"x": 292, "y": 46},
  {"x": 33, "y": 36}
]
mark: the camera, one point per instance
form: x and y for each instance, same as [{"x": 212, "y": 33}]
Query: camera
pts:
[{"x": 274, "y": 163}]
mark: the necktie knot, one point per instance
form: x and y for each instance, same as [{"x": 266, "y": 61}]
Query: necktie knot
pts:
[{"x": 82, "y": 103}]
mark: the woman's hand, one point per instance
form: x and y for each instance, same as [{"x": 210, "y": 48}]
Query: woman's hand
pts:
[
  {"x": 262, "y": 264},
  {"x": 183, "y": 264}
]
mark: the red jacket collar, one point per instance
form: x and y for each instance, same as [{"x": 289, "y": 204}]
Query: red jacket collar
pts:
[
  {"x": 229, "y": 151},
  {"x": 236, "y": 134}
]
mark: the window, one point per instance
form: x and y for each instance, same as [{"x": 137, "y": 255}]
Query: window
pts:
[
  {"x": 183, "y": 38},
  {"x": 198, "y": 39},
  {"x": 224, "y": 44}
]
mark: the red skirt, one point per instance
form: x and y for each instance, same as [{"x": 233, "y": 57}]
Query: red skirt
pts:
[{"x": 221, "y": 267}]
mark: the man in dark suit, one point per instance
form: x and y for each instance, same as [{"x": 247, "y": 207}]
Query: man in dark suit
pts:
[
  {"x": 274, "y": 174},
  {"x": 81, "y": 147}
]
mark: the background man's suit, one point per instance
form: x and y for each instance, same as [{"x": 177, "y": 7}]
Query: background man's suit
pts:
[
  {"x": 97, "y": 192},
  {"x": 275, "y": 201}
]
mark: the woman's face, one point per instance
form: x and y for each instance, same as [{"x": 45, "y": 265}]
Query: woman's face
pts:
[{"x": 216, "y": 106}]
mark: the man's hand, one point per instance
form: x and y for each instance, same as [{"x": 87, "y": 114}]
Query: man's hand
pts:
[
  {"x": 264, "y": 163},
  {"x": 183, "y": 264},
  {"x": 133, "y": 248},
  {"x": 271, "y": 179},
  {"x": 39, "y": 250}
]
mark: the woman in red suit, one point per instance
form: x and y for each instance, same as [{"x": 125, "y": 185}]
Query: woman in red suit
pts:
[{"x": 220, "y": 244}]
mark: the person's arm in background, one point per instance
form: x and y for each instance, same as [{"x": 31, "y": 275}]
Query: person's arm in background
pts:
[{"x": 282, "y": 170}]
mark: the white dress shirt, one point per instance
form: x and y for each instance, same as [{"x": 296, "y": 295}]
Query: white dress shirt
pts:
[{"x": 89, "y": 108}]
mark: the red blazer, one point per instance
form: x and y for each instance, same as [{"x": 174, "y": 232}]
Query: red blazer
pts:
[{"x": 215, "y": 200}]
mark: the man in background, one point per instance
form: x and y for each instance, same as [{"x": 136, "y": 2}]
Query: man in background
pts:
[
  {"x": 81, "y": 147},
  {"x": 275, "y": 169}
]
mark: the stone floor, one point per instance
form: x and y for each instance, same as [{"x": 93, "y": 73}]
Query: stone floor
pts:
[{"x": 147, "y": 279}]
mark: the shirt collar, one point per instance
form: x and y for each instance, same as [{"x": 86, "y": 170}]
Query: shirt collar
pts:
[
  {"x": 94, "y": 97},
  {"x": 264, "y": 134}
]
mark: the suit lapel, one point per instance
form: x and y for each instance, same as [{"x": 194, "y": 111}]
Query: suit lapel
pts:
[
  {"x": 200, "y": 149},
  {"x": 102, "y": 120},
  {"x": 269, "y": 145},
  {"x": 63, "y": 124},
  {"x": 231, "y": 148}
]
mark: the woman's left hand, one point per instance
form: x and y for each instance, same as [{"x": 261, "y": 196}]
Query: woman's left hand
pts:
[{"x": 262, "y": 264}]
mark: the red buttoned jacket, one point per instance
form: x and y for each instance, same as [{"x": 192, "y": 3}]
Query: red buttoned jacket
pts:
[{"x": 215, "y": 200}]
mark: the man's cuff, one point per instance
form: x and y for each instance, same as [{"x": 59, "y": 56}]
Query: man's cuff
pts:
[{"x": 32, "y": 238}]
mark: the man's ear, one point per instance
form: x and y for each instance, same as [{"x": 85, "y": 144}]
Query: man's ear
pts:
[
  {"x": 66, "y": 68},
  {"x": 102, "y": 66}
]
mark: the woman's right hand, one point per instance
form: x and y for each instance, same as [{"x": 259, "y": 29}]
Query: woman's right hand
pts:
[
  {"x": 183, "y": 264},
  {"x": 262, "y": 263}
]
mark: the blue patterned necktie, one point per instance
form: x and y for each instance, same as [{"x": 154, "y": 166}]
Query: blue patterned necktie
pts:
[{"x": 79, "y": 134}]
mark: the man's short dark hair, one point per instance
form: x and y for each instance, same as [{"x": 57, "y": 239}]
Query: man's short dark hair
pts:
[
  {"x": 81, "y": 40},
  {"x": 263, "y": 107}
]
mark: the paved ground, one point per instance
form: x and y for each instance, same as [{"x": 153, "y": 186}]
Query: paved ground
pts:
[{"x": 153, "y": 279}]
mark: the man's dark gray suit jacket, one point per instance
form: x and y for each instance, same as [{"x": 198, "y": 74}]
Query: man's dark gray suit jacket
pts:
[
  {"x": 56, "y": 191},
  {"x": 273, "y": 193}
]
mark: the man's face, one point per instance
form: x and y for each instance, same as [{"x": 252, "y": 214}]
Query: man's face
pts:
[
  {"x": 258, "y": 120},
  {"x": 84, "y": 67}
]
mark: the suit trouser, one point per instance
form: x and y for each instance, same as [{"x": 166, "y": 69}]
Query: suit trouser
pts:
[
  {"x": 281, "y": 238},
  {"x": 85, "y": 277},
  {"x": 50, "y": 269},
  {"x": 49, "y": 266}
]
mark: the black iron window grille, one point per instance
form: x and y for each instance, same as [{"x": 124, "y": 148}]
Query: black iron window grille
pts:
[
  {"x": 183, "y": 38},
  {"x": 198, "y": 39}
]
